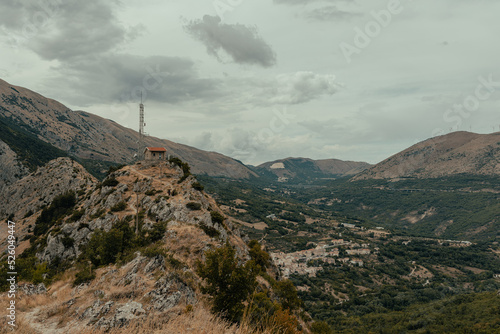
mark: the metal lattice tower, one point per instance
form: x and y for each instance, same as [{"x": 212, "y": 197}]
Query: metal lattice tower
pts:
[{"x": 141, "y": 131}]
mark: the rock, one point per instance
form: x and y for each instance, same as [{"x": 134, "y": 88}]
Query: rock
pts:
[
  {"x": 122, "y": 316},
  {"x": 158, "y": 262},
  {"x": 169, "y": 292},
  {"x": 32, "y": 289}
]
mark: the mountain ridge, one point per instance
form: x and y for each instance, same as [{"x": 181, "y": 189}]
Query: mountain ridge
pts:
[{"x": 456, "y": 153}]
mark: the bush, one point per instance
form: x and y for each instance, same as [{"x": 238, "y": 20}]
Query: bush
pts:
[
  {"x": 158, "y": 231},
  {"x": 67, "y": 241},
  {"x": 77, "y": 215},
  {"x": 184, "y": 166},
  {"x": 60, "y": 207},
  {"x": 259, "y": 256},
  {"x": 193, "y": 206},
  {"x": 321, "y": 327},
  {"x": 150, "y": 192},
  {"x": 83, "y": 276},
  {"x": 113, "y": 169},
  {"x": 288, "y": 295},
  {"x": 217, "y": 218},
  {"x": 228, "y": 282},
  {"x": 120, "y": 206},
  {"x": 212, "y": 232},
  {"x": 110, "y": 182},
  {"x": 198, "y": 186}
]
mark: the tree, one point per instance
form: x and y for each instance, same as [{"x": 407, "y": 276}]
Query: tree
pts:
[
  {"x": 288, "y": 295},
  {"x": 227, "y": 282},
  {"x": 321, "y": 327},
  {"x": 259, "y": 256}
]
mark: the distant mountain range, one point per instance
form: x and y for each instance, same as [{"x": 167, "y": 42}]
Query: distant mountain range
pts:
[
  {"x": 301, "y": 169},
  {"x": 35, "y": 129},
  {"x": 450, "y": 154}
]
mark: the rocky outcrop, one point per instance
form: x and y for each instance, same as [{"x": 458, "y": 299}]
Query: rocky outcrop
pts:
[
  {"x": 12, "y": 168},
  {"x": 37, "y": 189},
  {"x": 169, "y": 292}
]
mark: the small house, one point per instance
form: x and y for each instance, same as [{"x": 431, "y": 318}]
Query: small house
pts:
[{"x": 155, "y": 153}]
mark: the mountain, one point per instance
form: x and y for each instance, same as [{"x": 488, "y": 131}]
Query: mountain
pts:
[
  {"x": 36, "y": 129},
  {"x": 125, "y": 254},
  {"x": 302, "y": 169},
  {"x": 455, "y": 153}
]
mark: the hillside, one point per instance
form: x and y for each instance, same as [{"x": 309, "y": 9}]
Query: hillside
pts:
[
  {"x": 90, "y": 138},
  {"x": 126, "y": 253},
  {"x": 302, "y": 169},
  {"x": 451, "y": 154}
]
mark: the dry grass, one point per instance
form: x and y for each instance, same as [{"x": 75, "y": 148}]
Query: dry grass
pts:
[{"x": 199, "y": 321}]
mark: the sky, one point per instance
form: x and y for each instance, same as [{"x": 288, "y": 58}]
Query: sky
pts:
[{"x": 261, "y": 80}]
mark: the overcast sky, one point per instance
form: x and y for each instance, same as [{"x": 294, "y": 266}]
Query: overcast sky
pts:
[{"x": 261, "y": 80}]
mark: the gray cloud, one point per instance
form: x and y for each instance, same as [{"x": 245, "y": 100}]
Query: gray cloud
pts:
[
  {"x": 243, "y": 44},
  {"x": 305, "y": 2},
  {"x": 300, "y": 87},
  {"x": 329, "y": 13},
  {"x": 122, "y": 78},
  {"x": 63, "y": 30}
]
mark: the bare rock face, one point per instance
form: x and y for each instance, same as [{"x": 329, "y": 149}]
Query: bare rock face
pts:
[
  {"x": 40, "y": 188},
  {"x": 32, "y": 289},
  {"x": 169, "y": 292},
  {"x": 12, "y": 169},
  {"x": 123, "y": 315}
]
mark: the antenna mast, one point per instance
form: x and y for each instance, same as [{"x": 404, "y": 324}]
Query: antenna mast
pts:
[{"x": 141, "y": 130}]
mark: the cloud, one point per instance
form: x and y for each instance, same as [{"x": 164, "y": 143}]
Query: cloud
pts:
[
  {"x": 329, "y": 13},
  {"x": 122, "y": 78},
  {"x": 305, "y": 2},
  {"x": 300, "y": 87},
  {"x": 243, "y": 44},
  {"x": 64, "y": 30}
]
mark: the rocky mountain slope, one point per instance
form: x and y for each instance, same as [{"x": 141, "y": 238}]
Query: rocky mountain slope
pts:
[
  {"x": 61, "y": 211},
  {"x": 306, "y": 169},
  {"x": 90, "y": 137},
  {"x": 451, "y": 154}
]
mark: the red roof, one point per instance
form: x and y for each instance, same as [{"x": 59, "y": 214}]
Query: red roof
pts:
[{"x": 156, "y": 149}]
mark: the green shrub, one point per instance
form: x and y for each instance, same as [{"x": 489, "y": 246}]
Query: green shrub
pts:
[
  {"x": 150, "y": 192},
  {"x": 198, "y": 186},
  {"x": 120, "y": 206},
  {"x": 67, "y": 241},
  {"x": 228, "y": 282},
  {"x": 212, "y": 232},
  {"x": 217, "y": 217},
  {"x": 110, "y": 181},
  {"x": 259, "y": 256},
  {"x": 193, "y": 206},
  {"x": 158, "y": 231},
  {"x": 83, "y": 276},
  {"x": 60, "y": 207},
  {"x": 77, "y": 215}
]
